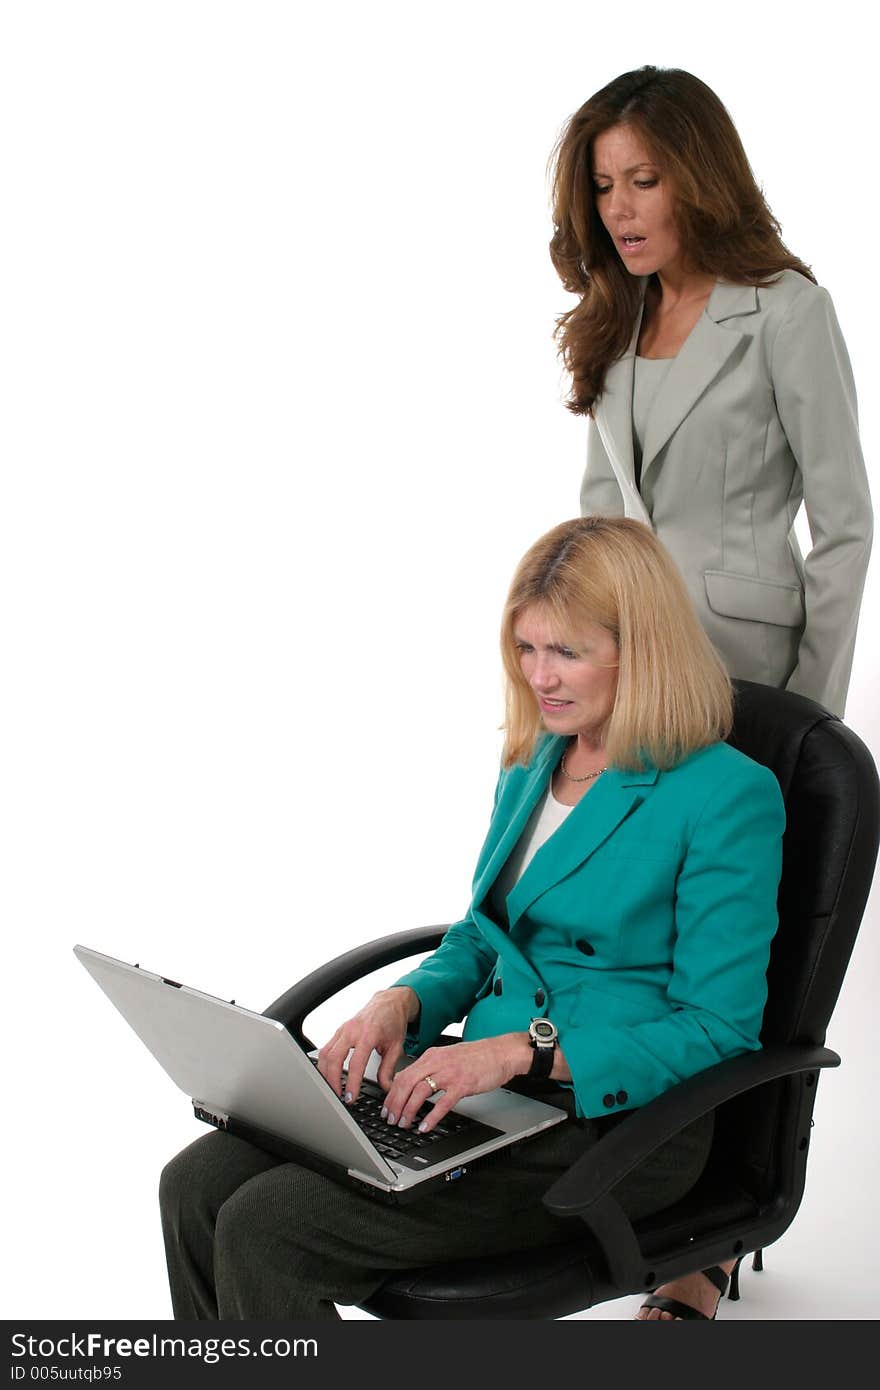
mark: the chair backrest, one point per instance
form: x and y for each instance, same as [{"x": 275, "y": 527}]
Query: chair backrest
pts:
[{"x": 830, "y": 787}]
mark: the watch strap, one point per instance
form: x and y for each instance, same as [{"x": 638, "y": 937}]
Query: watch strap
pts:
[{"x": 542, "y": 1062}]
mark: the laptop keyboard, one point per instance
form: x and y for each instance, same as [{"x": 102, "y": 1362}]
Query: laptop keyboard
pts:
[{"x": 451, "y": 1136}]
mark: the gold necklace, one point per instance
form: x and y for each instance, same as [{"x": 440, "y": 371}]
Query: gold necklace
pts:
[{"x": 589, "y": 777}]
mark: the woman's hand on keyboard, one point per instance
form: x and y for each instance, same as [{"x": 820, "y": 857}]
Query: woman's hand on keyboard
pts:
[
  {"x": 462, "y": 1069},
  {"x": 381, "y": 1025}
]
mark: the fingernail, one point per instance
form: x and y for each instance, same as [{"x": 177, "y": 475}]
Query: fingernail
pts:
[
  {"x": 392, "y": 1119},
  {"x": 422, "y": 1127},
  {"x": 348, "y": 1098},
  {"x": 404, "y": 1122},
  {"x": 383, "y": 1113}
]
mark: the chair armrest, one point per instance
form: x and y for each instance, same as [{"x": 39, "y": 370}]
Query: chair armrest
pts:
[
  {"x": 595, "y": 1173},
  {"x": 294, "y": 1006},
  {"x": 584, "y": 1190}
]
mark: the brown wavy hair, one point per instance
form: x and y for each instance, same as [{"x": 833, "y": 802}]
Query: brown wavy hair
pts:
[{"x": 724, "y": 224}]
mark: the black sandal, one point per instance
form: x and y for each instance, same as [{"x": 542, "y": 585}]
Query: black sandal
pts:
[{"x": 715, "y": 1274}]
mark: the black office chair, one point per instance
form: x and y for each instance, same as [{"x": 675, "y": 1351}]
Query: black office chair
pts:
[{"x": 754, "y": 1180}]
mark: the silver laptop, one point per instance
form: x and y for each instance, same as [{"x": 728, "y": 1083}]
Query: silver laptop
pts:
[{"x": 245, "y": 1074}]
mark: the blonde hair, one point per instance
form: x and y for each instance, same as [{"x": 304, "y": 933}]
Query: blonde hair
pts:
[{"x": 673, "y": 692}]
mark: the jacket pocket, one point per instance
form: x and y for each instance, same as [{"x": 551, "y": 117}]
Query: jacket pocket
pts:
[{"x": 759, "y": 600}]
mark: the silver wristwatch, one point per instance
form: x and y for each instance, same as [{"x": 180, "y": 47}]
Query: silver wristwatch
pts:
[{"x": 543, "y": 1036}]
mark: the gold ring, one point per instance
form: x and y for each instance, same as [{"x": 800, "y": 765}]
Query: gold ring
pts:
[{"x": 432, "y": 1083}]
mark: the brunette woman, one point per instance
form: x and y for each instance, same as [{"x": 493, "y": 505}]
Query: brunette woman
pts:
[{"x": 716, "y": 378}]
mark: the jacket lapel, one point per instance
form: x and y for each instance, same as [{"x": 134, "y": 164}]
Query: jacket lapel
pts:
[
  {"x": 616, "y": 795},
  {"x": 518, "y": 801},
  {"x": 703, "y": 354},
  {"x": 596, "y": 816},
  {"x": 612, "y": 415}
]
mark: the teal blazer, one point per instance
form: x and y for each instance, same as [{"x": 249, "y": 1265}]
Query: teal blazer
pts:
[{"x": 642, "y": 927}]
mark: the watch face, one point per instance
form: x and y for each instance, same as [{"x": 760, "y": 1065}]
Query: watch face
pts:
[{"x": 543, "y": 1030}]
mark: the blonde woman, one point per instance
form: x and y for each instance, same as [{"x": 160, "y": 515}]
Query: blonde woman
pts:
[{"x": 624, "y": 900}]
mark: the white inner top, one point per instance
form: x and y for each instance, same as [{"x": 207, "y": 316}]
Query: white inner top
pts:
[{"x": 547, "y": 816}]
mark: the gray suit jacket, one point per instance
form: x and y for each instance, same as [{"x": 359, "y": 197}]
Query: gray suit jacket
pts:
[{"x": 757, "y": 413}]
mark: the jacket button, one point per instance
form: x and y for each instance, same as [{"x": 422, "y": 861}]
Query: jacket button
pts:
[
  {"x": 608, "y": 1101},
  {"x": 539, "y": 997},
  {"x": 622, "y": 1098},
  {"x": 497, "y": 987},
  {"x": 585, "y": 946}
]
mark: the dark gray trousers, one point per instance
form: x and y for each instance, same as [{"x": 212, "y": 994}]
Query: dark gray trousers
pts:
[{"x": 250, "y": 1236}]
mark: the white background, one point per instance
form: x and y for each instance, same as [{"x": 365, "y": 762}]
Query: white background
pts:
[{"x": 282, "y": 410}]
